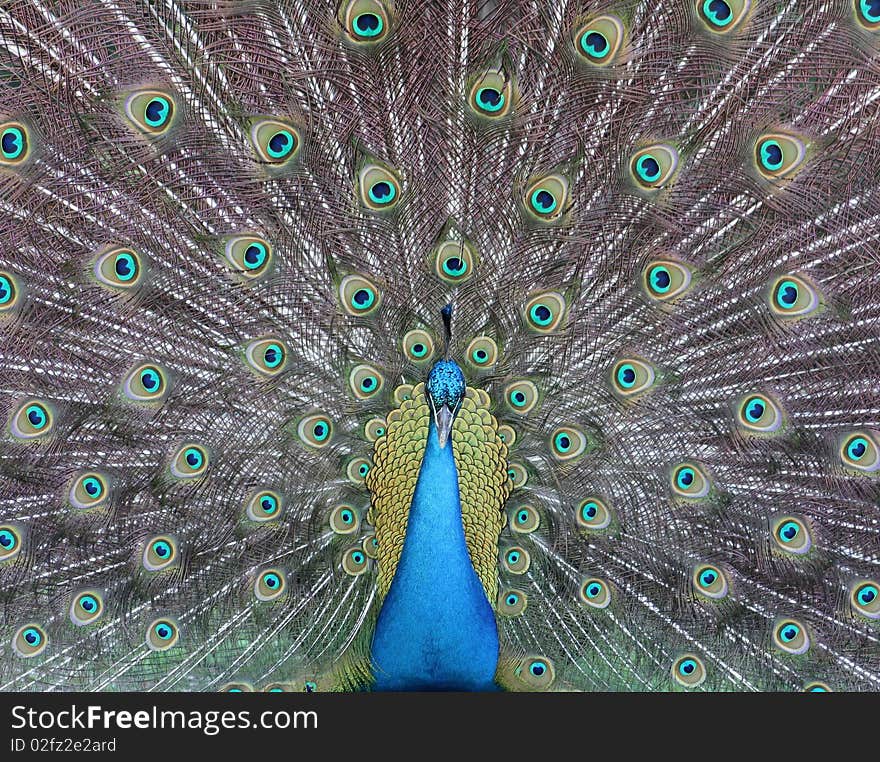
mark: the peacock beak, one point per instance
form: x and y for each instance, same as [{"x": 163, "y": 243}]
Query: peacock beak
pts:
[{"x": 444, "y": 417}]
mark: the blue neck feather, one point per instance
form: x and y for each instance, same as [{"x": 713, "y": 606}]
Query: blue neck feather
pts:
[{"x": 436, "y": 629}]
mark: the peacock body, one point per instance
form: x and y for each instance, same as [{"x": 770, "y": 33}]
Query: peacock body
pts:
[{"x": 440, "y": 345}]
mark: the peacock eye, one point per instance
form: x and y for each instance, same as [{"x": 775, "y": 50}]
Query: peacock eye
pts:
[
  {"x": 151, "y": 111},
  {"x": 10, "y": 542},
  {"x": 688, "y": 671},
  {"x": 275, "y": 142},
  {"x": 374, "y": 428},
  {"x": 86, "y": 608},
  {"x": 791, "y": 535},
  {"x": 119, "y": 269},
  {"x": 162, "y": 634},
  {"x": 264, "y": 506},
  {"x": 544, "y": 312},
  {"x": 354, "y": 562},
  {"x": 344, "y": 520},
  {"x": 517, "y": 474},
  {"x": 88, "y": 491},
  {"x": 491, "y": 94},
  {"x": 758, "y": 413},
  {"x": 512, "y": 602},
  {"x": 865, "y": 598},
  {"x": 861, "y": 452},
  {"x": 365, "y": 22},
  {"x": 595, "y": 593},
  {"x": 722, "y": 15},
  {"x": 664, "y": 279},
  {"x": 9, "y": 292},
  {"x": 29, "y": 640},
  {"x": 357, "y": 470},
  {"x": 189, "y": 462},
  {"x": 365, "y": 381},
  {"x": 524, "y": 519},
  {"x": 690, "y": 481},
  {"x": 817, "y": 687},
  {"x": 599, "y": 41},
  {"x": 792, "y": 296},
  {"x": 418, "y": 346},
  {"x": 711, "y": 582},
  {"x": 32, "y": 420},
  {"x": 778, "y": 155},
  {"x": 268, "y": 357},
  {"x": 516, "y": 560},
  {"x": 791, "y": 636},
  {"x": 270, "y": 585},
  {"x": 868, "y": 14},
  {"x": 547, "y": 198},
  {"x": 631, "y": 377},
  {"x": 537, "y": 672},
  {"x": 521, "y": 396},
  {"x": 653, "y": 167},
  {"x": 593, "y": 514},
  {"x": 249, "y": 255},
  {"x": 378, "y": 188},
  {"x": 159, "y": 553},
  {"x": 146, "y": 383},
  {"x": 567, "y": 443},
  {"x": 13, "y": 143},
  {"x": 454, "y": 261},
  {"x": 482, "y": 352},
  {"x": 315, "y": 430},
  {"x": 358, "y": 296}
]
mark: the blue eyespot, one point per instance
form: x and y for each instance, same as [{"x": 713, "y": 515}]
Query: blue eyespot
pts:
[
  {"x": 708, "y": 577},
  {"x": 8, "y": 540},
  {"x": 32, "y": 636},
  {"x": 660, "y": 279},
  {"x": 13, "y": 143},
  {"x": 685, "y": 478},
  {"x": 150, "y": 380},
  {"x": 870, "y": 10},
  {"x": 382, "y": 192},
  {"x": 788, "y": 531},
  {"x": 273, "y": 356},
  {"x": 648, "y": 168},
  {"x": 269, "y": 504},
  {"x": 193, "y": 458},
  {"x": 163, "y": 631},
  {"x": 626, "y": 376},
  {"x": 281, "y": 144},
  {"x": 537, "y": 668},
  {"x": 271, "y": 581},
  {"x": 593, "y": 589},
  {"x": 36, "y": 416},
  {"x": 489, "y": 99},
  {"x": 771, "y": 155},
  {"x": 157, "y": 111},
  {"x": 718, "y": 12},
  {"x": 595, "y": 44},
  {"x": 255, "y": 255},
  {"x": 368, "y": 25},
  {"x": 543, "y": 201},
  {"x": 687, "y": 667},
  {"x": 562, "y": 442},
  {"x": 857, "y": 448},
  {"x": 789, "y": 633},
  {"x": 92, "y": 486},
  {"x": 125, "y": 266},
  {"x": 512, "y": 599},
  {"x": 88, "y": 603},
  {"x": 867, "y": 593},
  {"x": 162, "y": 549},
  {"x": 755, "y": 409}
]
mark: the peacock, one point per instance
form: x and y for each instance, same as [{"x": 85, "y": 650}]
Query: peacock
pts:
[{"x": 440, "y": 345}]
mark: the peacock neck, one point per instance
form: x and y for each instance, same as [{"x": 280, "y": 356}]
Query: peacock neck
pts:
[{"x": 436, "y": 629}]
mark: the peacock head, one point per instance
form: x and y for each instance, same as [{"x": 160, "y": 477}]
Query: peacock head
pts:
[{"x": 445, "y": 389}]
